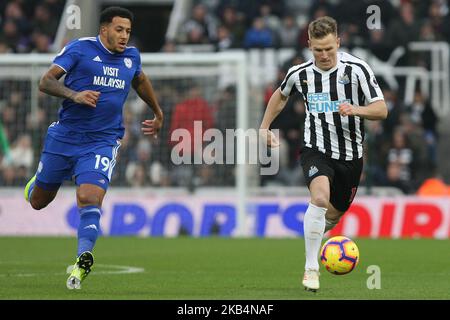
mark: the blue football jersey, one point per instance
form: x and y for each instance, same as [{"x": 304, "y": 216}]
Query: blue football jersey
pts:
[{"x": 89, "y": 65}]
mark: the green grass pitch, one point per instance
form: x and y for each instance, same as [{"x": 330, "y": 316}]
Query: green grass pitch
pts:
[{"x": 217, "y": 268}]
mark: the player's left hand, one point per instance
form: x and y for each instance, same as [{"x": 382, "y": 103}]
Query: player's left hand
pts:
[
  {"x": 346, "y": 109},
  {"x": 152, "y": 127}
]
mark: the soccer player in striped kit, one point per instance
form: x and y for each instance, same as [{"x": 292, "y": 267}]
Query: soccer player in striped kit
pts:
[
  {"x": 83, "y": 144},
  {"x": 340, "y": 91}
]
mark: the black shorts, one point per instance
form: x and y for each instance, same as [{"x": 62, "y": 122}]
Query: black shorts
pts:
[{"x": 344, "y": 175}]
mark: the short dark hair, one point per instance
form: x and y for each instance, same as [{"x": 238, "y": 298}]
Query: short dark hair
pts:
[
  {"x": 109, "y": 13},
  {"x": 322, "y": 27}
]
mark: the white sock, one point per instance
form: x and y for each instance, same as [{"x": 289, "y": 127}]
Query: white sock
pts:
[{"x": 313, "y": 229}]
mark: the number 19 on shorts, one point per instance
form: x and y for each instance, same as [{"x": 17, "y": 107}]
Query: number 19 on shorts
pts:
[{"x": 104, "y": 162}]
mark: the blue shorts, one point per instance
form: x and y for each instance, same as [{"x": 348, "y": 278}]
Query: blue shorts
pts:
[{"x": 91, "y": 163}]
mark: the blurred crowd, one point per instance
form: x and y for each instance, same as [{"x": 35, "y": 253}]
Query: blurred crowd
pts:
[
  {"x": 400, "y": 152},
  {"x": 29, "y": 25},
  {"x": 228, "y": 24}
]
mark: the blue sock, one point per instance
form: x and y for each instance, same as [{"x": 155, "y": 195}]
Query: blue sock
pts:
[{"x": 88, "y": 229}]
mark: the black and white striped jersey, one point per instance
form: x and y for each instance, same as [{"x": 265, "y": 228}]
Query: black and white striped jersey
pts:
[{"x": 351, "y": 80}]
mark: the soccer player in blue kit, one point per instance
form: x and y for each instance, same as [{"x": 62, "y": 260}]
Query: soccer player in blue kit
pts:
[{"x": 83, "y": 144}]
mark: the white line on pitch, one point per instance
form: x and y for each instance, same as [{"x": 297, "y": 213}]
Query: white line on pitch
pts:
[{"x": 119, "y": 270}]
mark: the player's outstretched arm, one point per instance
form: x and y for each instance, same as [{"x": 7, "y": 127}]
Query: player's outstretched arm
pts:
[
  {"x": 51, "y": 85},
  {"x": 144, "y": 89},
  {"x": 276, "y": 104},
  {"x": 376, "y": 110}
]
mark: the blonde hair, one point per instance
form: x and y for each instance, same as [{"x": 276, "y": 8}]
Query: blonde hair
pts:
[{"x": 321, "y": 27}]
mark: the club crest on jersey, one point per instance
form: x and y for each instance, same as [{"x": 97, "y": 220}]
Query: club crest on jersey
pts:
[
  {"x": 344, "y": 79},
  {"x": 128, "y": 62}
]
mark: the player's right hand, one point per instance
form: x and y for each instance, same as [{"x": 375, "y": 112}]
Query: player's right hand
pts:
[
  {"x": 269, "y": 137},
  {"x": 87, "y": 97}
]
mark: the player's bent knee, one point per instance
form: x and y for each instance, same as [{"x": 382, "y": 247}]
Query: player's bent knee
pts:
[
  {"x": 85, "y": 199},
  {"x": 320, "y": 201}
]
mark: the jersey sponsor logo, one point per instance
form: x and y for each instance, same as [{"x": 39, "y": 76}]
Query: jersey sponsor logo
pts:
[
  {"x": 97, "y": 58},
  {"x": 110, "y": 71},
  {"x": 107, "y": 80},
  {"x": 321, "y": 102},
  {"x": 128, "y": 62}
]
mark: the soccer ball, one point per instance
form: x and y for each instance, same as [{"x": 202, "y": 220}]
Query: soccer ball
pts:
[{"x": 339, "y": 255}]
